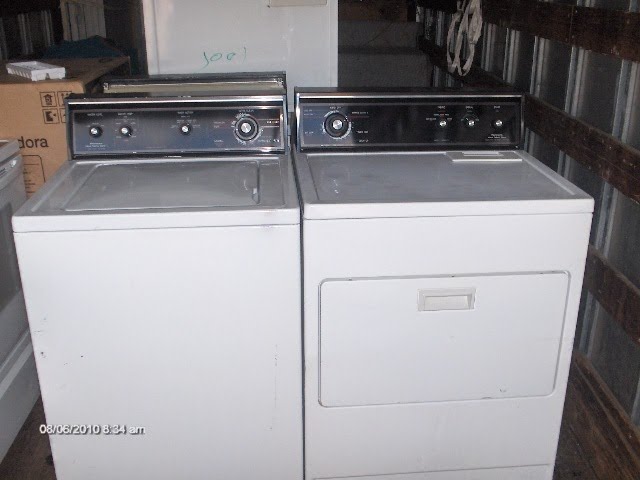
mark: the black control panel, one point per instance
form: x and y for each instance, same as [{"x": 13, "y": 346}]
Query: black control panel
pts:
[
  {"x": 112, "y": 126},
  {"x": 424, "y": 121}
]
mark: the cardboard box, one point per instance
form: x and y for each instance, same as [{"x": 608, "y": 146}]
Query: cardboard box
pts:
[{"x": 34, "y": 114}]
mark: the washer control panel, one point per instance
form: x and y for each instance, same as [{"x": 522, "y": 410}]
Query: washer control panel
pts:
[
  {"x": 112, "y": 126},
  {"x": 432, "y": 121}
]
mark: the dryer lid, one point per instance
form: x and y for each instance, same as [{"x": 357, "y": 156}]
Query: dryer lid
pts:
[{"x": 367, "y": 185}]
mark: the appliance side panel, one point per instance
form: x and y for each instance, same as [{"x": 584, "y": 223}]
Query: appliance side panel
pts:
[
  {"x": 13, "y": 320},
  {"x": 192, "y": 334},
  {"x": 18, "y": 379},
  {"x": 19, "y": 391},
  {"x": 392, "y": 439}
]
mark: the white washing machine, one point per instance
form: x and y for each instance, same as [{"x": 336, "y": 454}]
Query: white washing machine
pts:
[
  {"x": 161, "y": 270},
  {"x": 442, "y": 274},
  {"x": 18, "y": 378}
]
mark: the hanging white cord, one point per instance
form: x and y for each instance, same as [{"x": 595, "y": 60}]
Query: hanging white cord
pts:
[{"x": 469, "y": 18}]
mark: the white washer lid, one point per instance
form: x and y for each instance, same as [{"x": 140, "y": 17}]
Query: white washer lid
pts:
[
  {"x": 366, "y": 185},
  {"x": 163, "y": 193},
  {"x": 168, "y": 185}
]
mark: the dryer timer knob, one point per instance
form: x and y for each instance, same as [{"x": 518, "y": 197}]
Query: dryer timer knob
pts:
[{"x": 470, "y": 121}]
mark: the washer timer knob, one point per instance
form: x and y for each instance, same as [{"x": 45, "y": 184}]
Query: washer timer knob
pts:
[
  {"x": 336, "y": 125},
  {"x": 247, "y": 128},
  {"x": 95, "y": 131},
  {"x": 126, "y": 130}
]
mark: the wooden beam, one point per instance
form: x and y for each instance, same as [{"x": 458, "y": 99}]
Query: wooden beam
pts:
[
  {"x": 547, "y": 20},
  {"x": 607, "y": 436},
  {"x": 607, "y": 31},
  {"x": 629, "y": 432},
  {"x": 615, "y": 292},
  {"x": 605, "y": 155}
]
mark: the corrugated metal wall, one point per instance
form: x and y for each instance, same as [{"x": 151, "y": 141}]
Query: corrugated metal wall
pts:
[
  {"x": 82, "y": 19},
  {"x": 25, "y": 34}
]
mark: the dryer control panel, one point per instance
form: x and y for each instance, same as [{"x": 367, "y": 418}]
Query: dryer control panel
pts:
[
  {"x": 412, "y": 121},
  {"x": 172, "y": 126}
]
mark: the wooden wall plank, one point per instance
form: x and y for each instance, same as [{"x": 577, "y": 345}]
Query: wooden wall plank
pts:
[
  {"x": 547, "y": 20},
  {"x": 617, "y": 295},
  {"x": 614, "y": 161},
  {"x": 615, "y": 412},
  {"x": 612, "y": 32},
  {"x": 571, "y": 461},
  {"x": 607, "y": 31},
  {"x": 598, "y": 421},
  {"x": 602, "y": 447}
]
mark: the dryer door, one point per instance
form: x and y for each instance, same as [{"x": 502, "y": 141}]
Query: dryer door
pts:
[{"x": 414, "y": 340}]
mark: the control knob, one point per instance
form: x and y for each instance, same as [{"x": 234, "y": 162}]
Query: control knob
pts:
[
  {"x": 247, "y": 128},
  {"x": 336, "y": 125},
  {"x": 95, "y": 131},
  {"x": 498, "y": 124},
  {"x": 185, "y": 129},
  {"x": 470, "y": 121},
  {"x": 126, "y": 130},
  {"x": 442, "y": 123}
]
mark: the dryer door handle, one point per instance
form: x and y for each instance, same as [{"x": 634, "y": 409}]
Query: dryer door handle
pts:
[{"x": 446, "y": 299}]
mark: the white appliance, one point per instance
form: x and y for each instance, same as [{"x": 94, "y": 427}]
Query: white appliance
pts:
[
  {"x": 203, "y": 36},
  {"x": 18, "y": 378},
  {"x": 442, "y": 275},
  {"x": 161, "y": 270}
]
